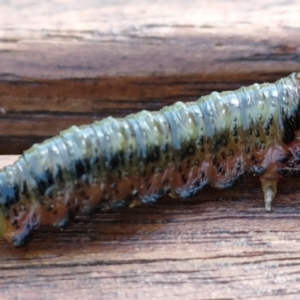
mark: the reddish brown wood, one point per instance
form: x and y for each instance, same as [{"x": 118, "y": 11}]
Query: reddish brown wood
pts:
[{"x": 67, "y": 63}]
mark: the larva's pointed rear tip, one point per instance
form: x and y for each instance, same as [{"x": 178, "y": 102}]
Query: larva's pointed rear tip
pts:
[
  {"x": 270, "y": 188},
  {"x": 268, "y": 206}
]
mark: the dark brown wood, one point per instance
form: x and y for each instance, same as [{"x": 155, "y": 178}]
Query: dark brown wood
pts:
[
  {"x": 71, "y": 63},
  {"x": 66, "y": 63}
]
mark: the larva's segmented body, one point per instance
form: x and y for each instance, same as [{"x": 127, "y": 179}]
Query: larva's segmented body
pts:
[{"x": 177, "y": 151}]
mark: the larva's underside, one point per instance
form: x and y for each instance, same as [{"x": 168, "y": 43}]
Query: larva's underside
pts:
[{"x": 177, "y": 151}]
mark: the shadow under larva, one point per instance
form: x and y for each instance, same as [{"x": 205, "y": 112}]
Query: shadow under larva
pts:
[{"x": 138, "y": 159}]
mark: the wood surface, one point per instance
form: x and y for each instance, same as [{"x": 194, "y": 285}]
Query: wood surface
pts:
[{"x": 66, "y": 63}]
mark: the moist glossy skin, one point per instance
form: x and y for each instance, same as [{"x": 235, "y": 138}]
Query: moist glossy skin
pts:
[{"x": 177, "y": 151}]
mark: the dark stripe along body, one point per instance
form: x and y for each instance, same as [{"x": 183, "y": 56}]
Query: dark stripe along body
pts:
[{"x": 178, "y": 150}]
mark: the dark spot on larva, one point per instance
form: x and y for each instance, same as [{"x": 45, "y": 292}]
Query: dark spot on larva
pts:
[
  {"x": 235, "y": 140},
  {"x": 220, "y": 169},
  {"x": 115, "y": 161},
  {"x": 224, "y": 141},
  {"x": 14, "y": 222},
  {"x": 153, "y": 154},
  {"x": 196, "y": 163},
  {"x": 202, "y": 150},
  {"x": 190, "y": 150},
  {"x": 34, "y": 218},
  {"x": 179, "y": 168},
  {"x": 283, "y": 159},
  {"x": 15, "y": 212},
  {"x": 165, "y": 181},
  {"x": 202, "y": 175},
  {"x": 290, "y": 122},
  {"x": 143, "y": 173},
  {"x": 270, "y": 120},
  {"x": 234, "y": 133},
  {"x": 82, "y": 194},
  {"x": 43, "y": 181},
  {"x": 183, "y": 178},
  {"x": 257, "y": 145},
  {"x": 252, "y": 157},
  {"x": 79, "y": 168},
  {"x": 256, "y": 132},
  {"x": 214, "y": 159},
  {"x": 200, "y": 140},
  {"x": 223, "y": 155},
  {"x": 283, "y": 172},
  {"x": 287, "y": 172},
  {"x": 10, "y": 194},
  {"x": 262, "y": 146},
  {"x": 234, "y": 119},
  {"x": 165, "y": 148},
  {"x": 230, "y": 152},
  {"x": 219, "y": 142},
  {"x": 267, "y": 132},
  {"x": 297, "y": 152},
  {"x": 58, "y": 173},
  {"x": 25, "y": 190},
  {"x": 259, "y": 116},
  {"x": 250, "y": 131},
  {"x": 152, "y": 169},
  {"x": 160, "y": 192},
  {"x": 182, "y": 156},
  {"x": 87, "y": 164},
  {"x": 96, "y": 162},
  {"x": 119, "y": 174},
  {"x": 258, "y": 170},
  {"x": 238, "y": 165}
]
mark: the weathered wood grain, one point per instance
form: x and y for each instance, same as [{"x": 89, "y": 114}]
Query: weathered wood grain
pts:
[{"x": 66, "y": 63}]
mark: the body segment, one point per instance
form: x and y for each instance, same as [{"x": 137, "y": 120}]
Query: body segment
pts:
[{"x": 177, "y": 151}]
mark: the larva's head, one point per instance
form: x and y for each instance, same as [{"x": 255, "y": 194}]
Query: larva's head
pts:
[{"x": 3, "y": 222}]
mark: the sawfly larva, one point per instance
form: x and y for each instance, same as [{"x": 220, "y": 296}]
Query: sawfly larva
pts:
[{"x": 177, "y": 151}]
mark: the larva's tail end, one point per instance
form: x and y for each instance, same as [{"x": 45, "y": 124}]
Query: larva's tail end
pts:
[
  {"x": 270, "y": 188},
  {"x": 268, "y": 200}
]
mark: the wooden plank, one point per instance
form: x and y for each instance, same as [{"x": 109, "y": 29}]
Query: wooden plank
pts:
[
  {"x": 67, "y": 62},
  {"x": 132, "y": 55}
]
